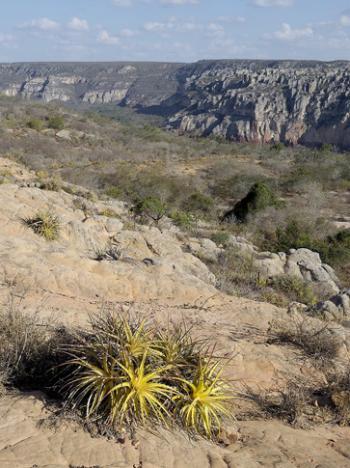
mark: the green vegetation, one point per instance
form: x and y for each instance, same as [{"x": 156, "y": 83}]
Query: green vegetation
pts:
[
  {"x": 198, "y": 202},
  {"x": 182, "y": 219},
  {"x": 35, "y": 124},
  {"x": 259, "y": 197},
  {"x": 151, "y": 208},
  {"x": 56, "y": 122},
  {"x": 45, "y": 224}
]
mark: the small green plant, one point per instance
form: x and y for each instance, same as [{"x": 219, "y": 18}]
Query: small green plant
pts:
[
  {"x": 108, "y": 212},
  {"x": 45, "y": 224},
  {"x": 220, "y": 238},
  {"x": 56, "y": 122},
  {"x": 114, "y": 192},
  {"x": 182, "y": 219}
]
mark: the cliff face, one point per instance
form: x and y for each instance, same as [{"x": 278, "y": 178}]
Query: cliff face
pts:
[{"x": 257, "y": 101}]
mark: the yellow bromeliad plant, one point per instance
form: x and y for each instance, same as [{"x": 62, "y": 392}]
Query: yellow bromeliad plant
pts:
[
  {"x": 125, "y": 371},
  {"x": 203, "y": 400},
  {"x": 140, "y": 392}
]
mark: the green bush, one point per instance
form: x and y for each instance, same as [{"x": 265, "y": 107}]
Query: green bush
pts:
[
  {"x": 259, "y": 197},
  {"x": 35, "y": 124},
  {"x": 182, "y": 219},
  {"x": 113, "y": 192},
  {"x": 220, "y": 238},
  {"x": 295, "y": 289},
  {"x": 198, "y": 202},
  {"x": 150, "y": 207},
  {"x": 334, "y": 249},
  {"x": 56, "y": 122}
]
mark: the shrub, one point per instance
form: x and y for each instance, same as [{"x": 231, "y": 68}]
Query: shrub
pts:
[
  {"x": 113, "y": 192},
  {"x": 182, "y": 219},
  {"x": 333, "y": 249},
  {"x": 220, "y": 238},
  {"x": 259, "y": 197},
  {"x": 150, "y": 207},
  {"x": 294, "y": 288},
  {"x": 198, "y": 202},
  {"x": 44, "y": 224},
  {"x": 35, "y": 124},
  {"x": 56, "y": 122},
  {"x": 315, "y": 339}
]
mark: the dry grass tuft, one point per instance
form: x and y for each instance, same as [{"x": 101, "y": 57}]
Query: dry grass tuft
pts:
[
  {"x": 315, "y": 339},
  {"x": 45, "y": 224}
]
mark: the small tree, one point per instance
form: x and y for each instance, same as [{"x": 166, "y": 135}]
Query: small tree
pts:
[{"x": 150, "y": 207}]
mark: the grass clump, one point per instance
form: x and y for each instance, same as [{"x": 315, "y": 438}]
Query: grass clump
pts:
[
  {"x": 45, "y": 224},
  {"x": 126, "y": 372},
  {"x": 110, "y": 253},
  {"x": 315, "y": 339}
]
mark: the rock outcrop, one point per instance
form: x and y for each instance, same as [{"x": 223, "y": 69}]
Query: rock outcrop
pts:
[
  {"x": 300, "y": 263},
  {"x": 337, "y": 307},
  {"x": 156, "y": 275},
  {"x": 242, "y": 100}
]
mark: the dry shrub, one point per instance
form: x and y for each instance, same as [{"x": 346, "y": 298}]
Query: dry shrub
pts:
[
  {"x": 300, "y": 403},
  {"x": 315, "y": 339}
]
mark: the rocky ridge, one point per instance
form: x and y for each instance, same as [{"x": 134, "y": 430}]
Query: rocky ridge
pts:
[{"x": 242, "y": 100}]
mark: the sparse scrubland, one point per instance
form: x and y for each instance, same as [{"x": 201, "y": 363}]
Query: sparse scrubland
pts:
[{"x": 116, "y": 212}]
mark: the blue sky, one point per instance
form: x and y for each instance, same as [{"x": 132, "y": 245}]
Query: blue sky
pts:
[{"x": 173, "y": 30}]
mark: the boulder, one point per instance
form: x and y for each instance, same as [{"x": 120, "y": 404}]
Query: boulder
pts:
[
  {"x": 301, "y": 263},
  {"x": 336, "y": 307}
]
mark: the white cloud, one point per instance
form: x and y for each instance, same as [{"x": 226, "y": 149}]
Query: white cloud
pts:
[
  {"x": 6, "y": 39},
  {"x": 44, "y": 24},
  {"x": 287, "y": 33},
  {"x": 273, "y": 3},
  {"x": 128, "y": 33},
  {"x": 105, "y": 38},
  {"x": 231, "y": 19},
  {"x": 345, "y": 20},
  {"x": 77, "y": 24},
  {"x": 155, "y": 26}
]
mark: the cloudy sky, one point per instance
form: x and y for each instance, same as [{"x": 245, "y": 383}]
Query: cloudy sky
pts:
[{"x": 173, "y": 30}]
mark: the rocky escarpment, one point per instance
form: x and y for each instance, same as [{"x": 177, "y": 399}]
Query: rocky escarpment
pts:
[{"x": 257, "y": 101}]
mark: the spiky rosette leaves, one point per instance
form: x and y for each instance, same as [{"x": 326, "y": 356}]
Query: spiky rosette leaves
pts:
[{"x": 203, "y": 400}]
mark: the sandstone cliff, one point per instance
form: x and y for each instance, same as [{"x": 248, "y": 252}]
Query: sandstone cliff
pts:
[{"x": 256, "y": 101}]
